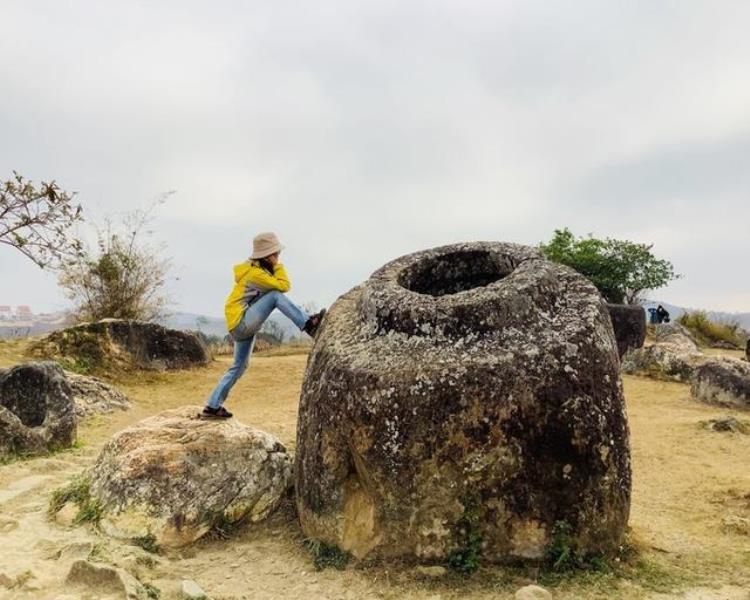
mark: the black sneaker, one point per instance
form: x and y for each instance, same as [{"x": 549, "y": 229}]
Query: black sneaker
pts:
[
  {"x": 311, "y": 327},
  {"x": 216, "y": 413}
]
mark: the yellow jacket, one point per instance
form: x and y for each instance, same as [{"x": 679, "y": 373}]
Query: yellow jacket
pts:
[{"x": 251, "y": 281}]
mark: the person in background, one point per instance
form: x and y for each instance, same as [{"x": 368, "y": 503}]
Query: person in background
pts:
[
  {"x": 259, "y": 287},
  {"x": 662, "y": 314}
]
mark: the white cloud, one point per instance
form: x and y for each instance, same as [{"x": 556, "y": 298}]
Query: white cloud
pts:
[{"x": 362, "y": 130}]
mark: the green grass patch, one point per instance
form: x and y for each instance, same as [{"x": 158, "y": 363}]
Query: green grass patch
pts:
[
  {"x": 466, "y": 558},
  {"x": 326, "y": 555},
  {"x": 78, "y": 491}
]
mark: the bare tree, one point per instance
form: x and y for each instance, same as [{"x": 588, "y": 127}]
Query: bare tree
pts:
[
  {"x": 36, "y": 220},
  {"x": 124, "y": 276}
]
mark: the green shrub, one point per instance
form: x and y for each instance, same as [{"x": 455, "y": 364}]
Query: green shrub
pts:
[
  {"x": 78, "y": 491},
  {"x": 466, "y": 558},
  {"x": 326, "y": 555}
]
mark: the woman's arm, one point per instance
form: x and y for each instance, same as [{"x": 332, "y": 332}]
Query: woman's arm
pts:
[{"x": 278, "y": 281}]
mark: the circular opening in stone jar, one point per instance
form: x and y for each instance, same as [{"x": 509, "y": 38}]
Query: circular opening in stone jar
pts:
[{"x": 455, "y": 272}]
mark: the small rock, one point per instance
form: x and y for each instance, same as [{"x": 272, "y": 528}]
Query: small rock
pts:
[
  {"x": 727, "y": 424},
  {"x": 432, "y": 571},
  {"x": 192, "y": 590},
  {"x": 76, "y": 550},
  {"x": 6, "y": 581},
  {"x": 104, "y": 579},
  {"x": 532, "y": 592},
  {"x": 66, "y": 516},
  {"x": 736, "y": 524}
]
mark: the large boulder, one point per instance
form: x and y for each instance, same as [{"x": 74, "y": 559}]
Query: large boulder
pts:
[
  {"x": 723, "y": 381},
  {"x": 461, "y": 393},
  {"x": 172, "y": 477},
  {"x": 37, "y": 413},
  {"x": 629, "y": 324},
  {"x": 673, "y": 356},
  {"x": 112, "y": 344}
]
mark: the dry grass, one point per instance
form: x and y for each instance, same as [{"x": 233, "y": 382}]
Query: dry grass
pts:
[
  {"x": 687, "y": 480},
  {"x": 708, "y": 332}
]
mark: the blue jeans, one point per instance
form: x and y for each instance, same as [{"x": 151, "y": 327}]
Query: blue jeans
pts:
[{"x": 244, "y": 338}]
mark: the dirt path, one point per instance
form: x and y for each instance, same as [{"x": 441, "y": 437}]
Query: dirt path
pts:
[{"x": 687, "y": 480}]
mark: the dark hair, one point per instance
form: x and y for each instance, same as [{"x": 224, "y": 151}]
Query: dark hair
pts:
[{"x": 266, "y": 265}]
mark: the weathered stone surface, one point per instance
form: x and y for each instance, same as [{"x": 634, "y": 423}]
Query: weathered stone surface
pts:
[
  {"x": 532, "y": 592},
  {"x": 93, "y": 396},
  {"x": 36, "y": 409},
  {"x": 105, "y": 580},
  {"x": 475, "y": 383},
  {"x": 173, "y": 476},
  {"x": 629, "y": 324},
  {"x": 191, "y": 590},
  {"x": 122, "y": 344},
  {"x": 676, "y": 335},
  {"x": 673, "y": 356},
  {"x": 747, "y": 351},
  {"x": 723, "y": 381}
]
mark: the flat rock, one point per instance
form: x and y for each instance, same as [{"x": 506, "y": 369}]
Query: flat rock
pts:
[
  {"x": 174, "y": 476},
  {"x": 723, "y": 381},
  {"x": 104, "y": 579},
  {"x": 431, "y": 571},
  {"x": 191, "y": 590},
  {"x": 469, "y": 390},
  {"x": 93, "y": 396},
  {"x": 532, "y": 592}
]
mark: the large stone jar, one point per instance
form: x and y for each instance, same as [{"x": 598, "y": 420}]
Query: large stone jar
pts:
[{"x": 461, "y": 393}]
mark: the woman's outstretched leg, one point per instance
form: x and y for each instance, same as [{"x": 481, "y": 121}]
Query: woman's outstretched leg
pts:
[{"x": 242, "y": 351}]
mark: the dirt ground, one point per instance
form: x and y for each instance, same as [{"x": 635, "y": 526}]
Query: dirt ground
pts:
[{"x": 690, "y": 487}]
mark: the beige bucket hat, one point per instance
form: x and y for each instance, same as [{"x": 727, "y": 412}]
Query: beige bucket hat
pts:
[{"x": 265, "y": 244}]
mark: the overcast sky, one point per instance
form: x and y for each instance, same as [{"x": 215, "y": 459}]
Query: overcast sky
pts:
[{"x": 360, "y": 131}]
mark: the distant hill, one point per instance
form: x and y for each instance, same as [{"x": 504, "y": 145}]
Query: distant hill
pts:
[{"x": 216, "y": 326}]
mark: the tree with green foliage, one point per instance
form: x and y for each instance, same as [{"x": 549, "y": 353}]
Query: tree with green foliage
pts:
[
  {"x": 622, "y": 270},
  {"x": 37, "y": 219}
]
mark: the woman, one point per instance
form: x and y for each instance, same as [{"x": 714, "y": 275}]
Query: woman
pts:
[{"x": 259, "y": 287}]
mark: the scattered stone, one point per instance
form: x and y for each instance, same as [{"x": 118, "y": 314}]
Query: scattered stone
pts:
[
  {"x": 467, "y": 391},
  {"x": 66, "y": 516},
  {"x": 723, "y": 345},
  {"x": 532, "y": 592},
  {"x": 171, "y": 478},
  {"x": 431, "y": 571},
  {"x": 629, "y": 324},
  {"x": 115, "y": 344},
  {"x": 737, "y": 524},
  {"x": 727, "y": 424},
  {"x": 104, "y": 579},
  {"x": 191, "y": 590},
  {"x": 76, "y": 550},
  {"x": 6, "y": 581},
  {"x": 93, "y": 396},
  {"x": 723, "y": 381},
  {"x": 37, "y": 413}
]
